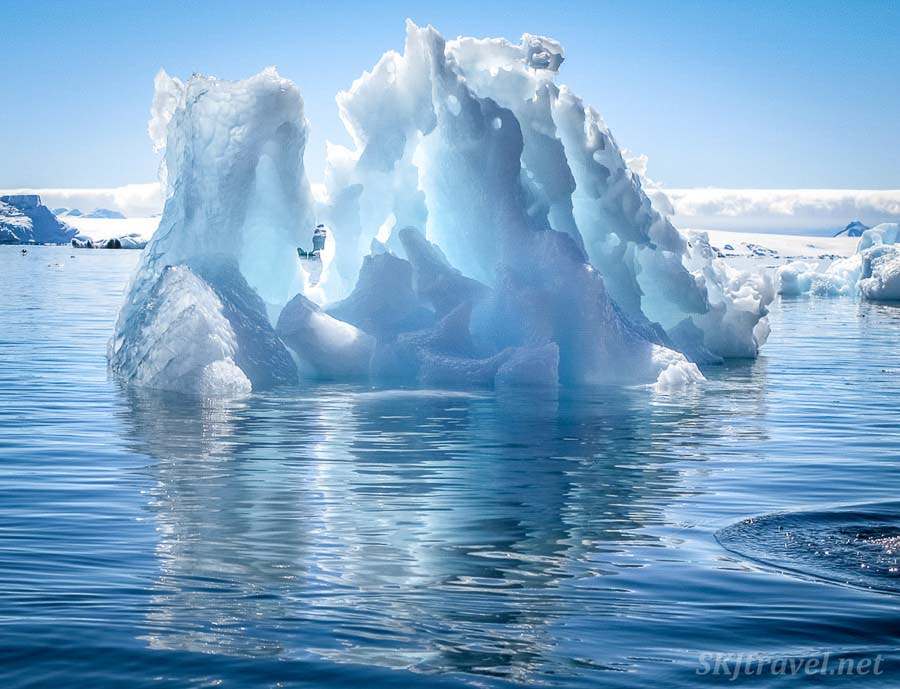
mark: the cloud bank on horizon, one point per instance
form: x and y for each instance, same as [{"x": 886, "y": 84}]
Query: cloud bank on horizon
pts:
[
  {"x": 792, "y": 211},
  {"x": 132, "y": 200}
]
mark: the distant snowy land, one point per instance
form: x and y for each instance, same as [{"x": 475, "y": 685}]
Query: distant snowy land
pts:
[
  {"x": 103, "y": 224},
  {"x": 26, "y": 219},
  {"x": 129, "y": 200},
  {"x": 783, "y": 222},
  {"x": 810, "y": 212},
  {"x": 485, "y": 229},
  {"x": 731, "y": 244}
]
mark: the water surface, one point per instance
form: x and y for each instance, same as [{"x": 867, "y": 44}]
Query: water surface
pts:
[{"x": 341, "y": 535}]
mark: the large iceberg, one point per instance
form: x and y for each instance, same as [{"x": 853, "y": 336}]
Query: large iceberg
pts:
[{"x": 485, "y": 229}]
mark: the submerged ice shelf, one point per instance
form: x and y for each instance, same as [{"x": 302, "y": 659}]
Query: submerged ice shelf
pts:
[{"x": 485, "y": 229}]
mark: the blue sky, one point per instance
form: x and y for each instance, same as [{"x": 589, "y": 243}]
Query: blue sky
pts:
[{"x": 763, "y": 94}]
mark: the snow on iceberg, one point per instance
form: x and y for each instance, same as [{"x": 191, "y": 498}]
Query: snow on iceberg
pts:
[{"x": 484, "y": 230}]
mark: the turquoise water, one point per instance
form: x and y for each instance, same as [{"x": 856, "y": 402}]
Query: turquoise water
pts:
[{"x": 337, "y": 535}]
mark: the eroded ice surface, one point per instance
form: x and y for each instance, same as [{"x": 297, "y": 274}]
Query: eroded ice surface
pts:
[
  {"x": 237, "y": 205},
  {"x": 484, "y": 229}
]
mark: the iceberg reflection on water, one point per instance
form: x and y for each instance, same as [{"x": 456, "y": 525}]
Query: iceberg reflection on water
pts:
[{"x": 459, "y": 547}]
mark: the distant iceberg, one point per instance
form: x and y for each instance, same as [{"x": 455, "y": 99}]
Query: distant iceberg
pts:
[
  {"x": 25, "y": 220},
  {"x": 872, "y": 273},
  {"x": 484, "y": 230}
]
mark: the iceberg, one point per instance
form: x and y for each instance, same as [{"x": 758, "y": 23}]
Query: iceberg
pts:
[
  {"x": 872, "y": 273},
  {"x": 801, "y": 277},
  {"x": 24, "y": 219},
  {"x": 485, "y": 229},
  {"x": 879, "y": 258},
  {"x": 880, "y": 274}
]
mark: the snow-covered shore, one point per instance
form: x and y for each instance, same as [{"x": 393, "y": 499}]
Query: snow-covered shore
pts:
[
  {"x": 100, "y": 229},
  {"x": 749, "y": 244}
]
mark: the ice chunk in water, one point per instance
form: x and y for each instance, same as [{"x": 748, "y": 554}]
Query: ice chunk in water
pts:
[
  {"x": 325, "y": 346},
  {"x": 873, "y": 272},
  {"x": 880, "y": 274}
]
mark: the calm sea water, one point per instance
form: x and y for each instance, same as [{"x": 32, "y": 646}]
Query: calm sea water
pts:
[{"x": 338, "y": 535}]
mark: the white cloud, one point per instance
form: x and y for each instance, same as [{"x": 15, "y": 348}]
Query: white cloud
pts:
[
  {"x": 796, "y": 211},
  {"x": 134, "y": 200},
  {"x": 781, "y": 210}
]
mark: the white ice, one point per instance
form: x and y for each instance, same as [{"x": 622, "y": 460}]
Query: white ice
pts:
[
  {"x": 880, "y": 273},
  {"x": 484, "y": 229},
  {"x": 872, "y": 273}
]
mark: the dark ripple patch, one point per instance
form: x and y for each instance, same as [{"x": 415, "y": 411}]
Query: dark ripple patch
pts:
[{"x": 857, "y": 545}]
